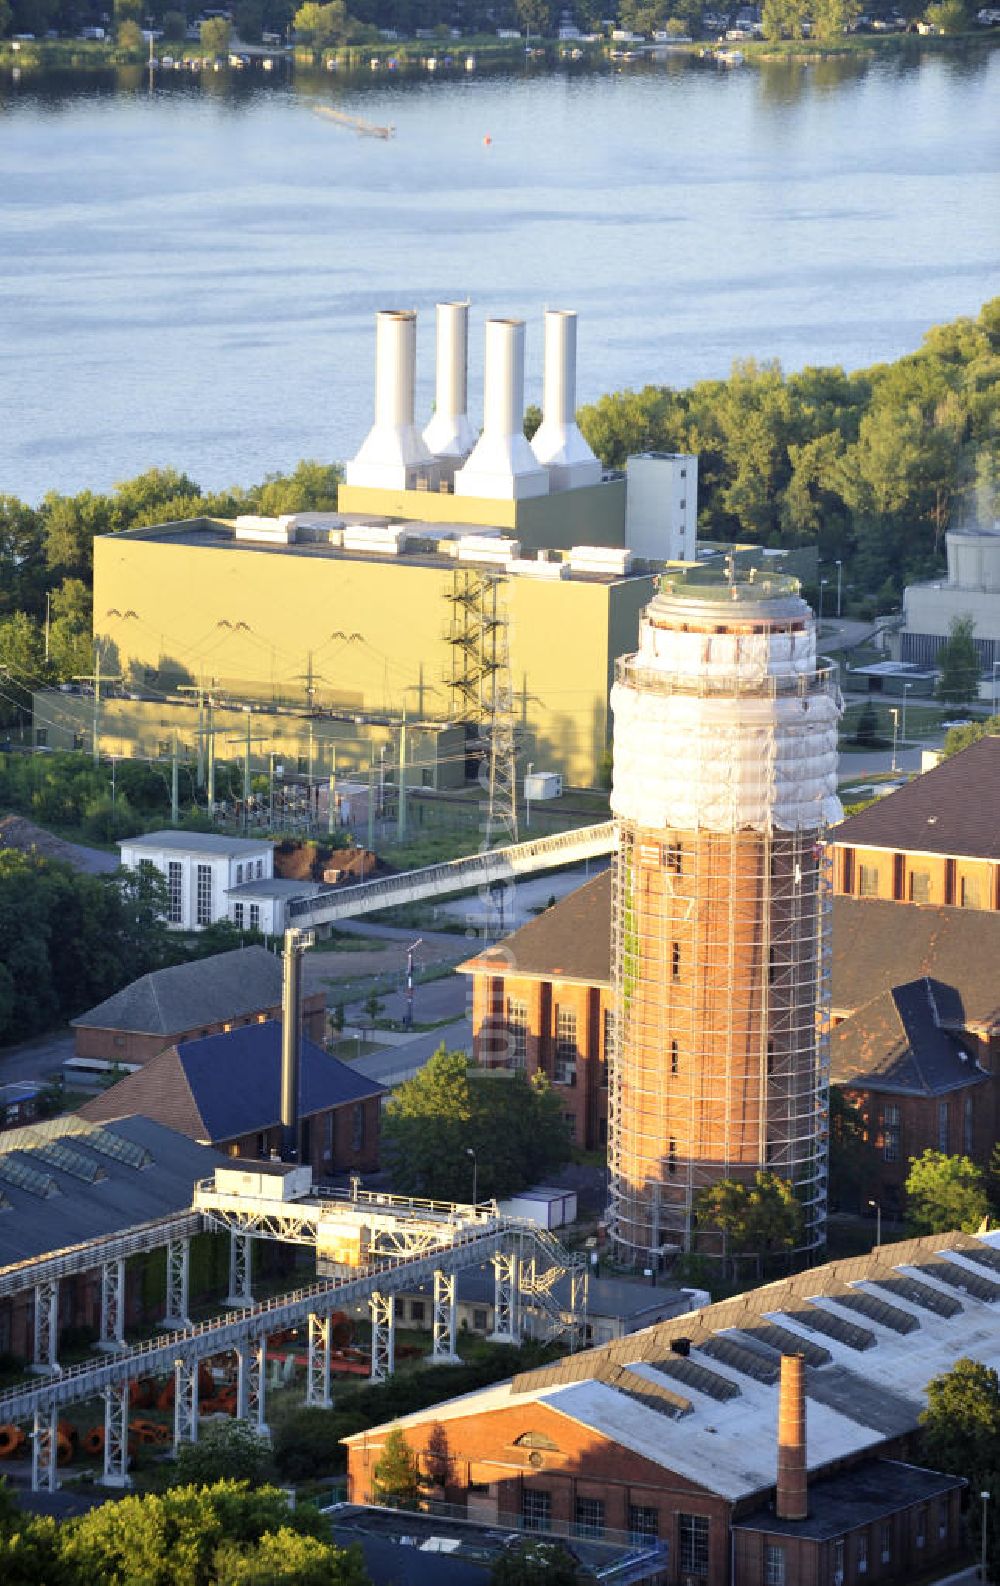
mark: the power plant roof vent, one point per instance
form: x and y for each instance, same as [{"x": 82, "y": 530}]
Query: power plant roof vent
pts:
[
  {"x": 449, "y": 435},
  {"x": 557, "y": 443},
  {"x": 394, "y": 456},
  {"x": 502, "y": 466}
]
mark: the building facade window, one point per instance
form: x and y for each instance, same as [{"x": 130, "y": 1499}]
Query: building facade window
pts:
[
  {"x": 774, "y": 1564},
  {"x": 861, "y": 1562},
  {"x": 175, "y": 901},
  {"x": 255, "y": 916},
  {"x": 609, "y": 1044},
  {"x": 921, "y": 1533},
  {"x": 536, "y": 1509},
  {"x": 969, "y": 893},
  {"x": 943, "y": 1127},
  {"x": 41, "y": 737},
  {"x": 891, "y": 1133},
  {"x": 260, "y": 869},
  {"x": 417, "y": 1311},
  {"x": 885, "y": 1544},
  {"x": 203, "y": 895},
  {"x": 942, "y": 1518},
  {"x": 358, "y": 1126},
  {"x": 692, "y": 1538},
  {"x": 239, "y": 875},
  {"x": 238, "y": 915},
  {"x": 968, "y": 1132},
  {"x": 868, "y": 881},
  {"x": 590, "y": 1516},
  {"x": 920, "y": 886},
  {"x": 480, "y": 1321},
  {"x": 517, "y": 1030},
  {"x": 838, "y": 1562},
  {"x": 643, "y": 1524},
  {"x": 566, "y": 1050}
]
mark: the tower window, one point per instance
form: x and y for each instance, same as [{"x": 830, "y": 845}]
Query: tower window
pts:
[
  {"x": 675, "y": 1058},
  {"x": 675, "y": 961},
  {"x": 672, "y": 1156},
  {"x": 675, "y": 858}
]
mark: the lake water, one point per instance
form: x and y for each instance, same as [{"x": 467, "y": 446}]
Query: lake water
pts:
[{"x": 188, "y": 276}]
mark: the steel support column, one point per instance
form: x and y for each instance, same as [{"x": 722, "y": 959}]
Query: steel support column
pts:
[
  {"x": 44, "y": 1440},
  {"x": 579, "y": 1299},
  {"x": 178, "y": 1260},
  {"x": 185, "y": 1401},
  {"x": 240, "y": 1270},
  {"x": 443, "y": 1351},
  {"x": 112, "y": 1306},
  {"x": 116, "y": 1404},
  {"x": 383, "y": 1309},
  {"x": 318, "y": 1369},
  {"x": 506, "y": 1329},
  {"x": 46, "y": 1337},
  {"x": 251, "y": 1384}
]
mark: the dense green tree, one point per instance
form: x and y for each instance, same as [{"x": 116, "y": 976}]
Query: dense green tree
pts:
[
  {"x": 535, "y": 1563},
  {"x": 961, "y": 1435},
  {"x": 944, "y": 1193},
  {"x": 832, "y": 18},
  {"x": 783, "y": 19},
  {"x": 949, "y": 16},
  {"x": 70, "y": 632},
  {"x": 130, "y": 37},
  {"x": 513, "y": 1125},
  {"x": 286, "y": 1558},
  {"x": 319, "y": 26},
  {"x": 759, "y": 1219},
  {"x": 22, "y": 558},
  {"x": 225, "y": 1451},
  {"x": 851, "y": 1157},
  {"x": 214, "y": 33},
  {"x": 959, "y": 663},
  {"x": 311, "y": 487},
  {"x": 960, "y": 738},
  {"x": 396, "y": 1473},
  {"x": 174, "y": 24}
]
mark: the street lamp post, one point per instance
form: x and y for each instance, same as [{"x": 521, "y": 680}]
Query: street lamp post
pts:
[
  {"x": 895, "y": 736},
  {"x": 876, "y": 1206},
  {"x": 822, "y": 585},
  {"x": 840, "y": 586},
  {"x": 475, "y": 1172},
  {"x": 409, "y": 980}
]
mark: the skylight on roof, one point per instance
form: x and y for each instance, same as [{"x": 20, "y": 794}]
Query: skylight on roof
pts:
[
  {"x": 118, "y": 1148},
  {"x": 18, "y": 1173},
  {"x": 72, "y": 1162}
]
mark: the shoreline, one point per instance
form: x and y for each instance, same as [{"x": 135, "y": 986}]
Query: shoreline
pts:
[{"x": 451, "y": 54}]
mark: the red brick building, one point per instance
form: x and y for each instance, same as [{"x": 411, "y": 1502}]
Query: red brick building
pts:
[
  {"x": 669, "y": 1435},
  {"x": 184, "y": 1002},
  {"x": 225, "y": 1091}
]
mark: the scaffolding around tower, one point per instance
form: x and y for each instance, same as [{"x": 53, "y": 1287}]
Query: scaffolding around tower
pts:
[{"x": 725, "y": 776}]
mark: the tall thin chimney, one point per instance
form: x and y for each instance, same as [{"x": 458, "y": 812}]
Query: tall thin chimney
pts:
[
  {"x": 791, "y": 1500},
  {"x": 291, "y": 1043},
  {"x": 449, "y": 435},
  {"x": 558, "y": 443},
  {"x": 503, "y": 467},
  {"x": 394, "y": 456}
]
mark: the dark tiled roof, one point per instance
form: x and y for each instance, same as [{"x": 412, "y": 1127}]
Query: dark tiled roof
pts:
[
  {"x": 208, "y": 991},
  {"x": 896, "y": 1043},
  {"x": 953, "y": 809},
  {"x": 878, "y": 945},
  {"x": 230, "y": 1085},
  {"x": 855, "y": 1498},
  {"x": 570, "y": 941},
  {"x": 124, "y": 1196}
]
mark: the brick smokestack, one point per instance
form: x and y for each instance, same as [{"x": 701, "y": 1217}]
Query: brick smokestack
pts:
[{"x": 791, "y": 1502}]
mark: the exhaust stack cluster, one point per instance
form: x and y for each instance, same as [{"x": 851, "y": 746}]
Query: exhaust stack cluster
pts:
[{"x": 499, "y": 464}]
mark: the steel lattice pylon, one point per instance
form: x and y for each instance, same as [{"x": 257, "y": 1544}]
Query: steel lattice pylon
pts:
[{"x": 482, "y": 691}]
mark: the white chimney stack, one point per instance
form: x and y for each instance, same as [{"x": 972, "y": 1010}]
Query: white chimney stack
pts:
[
  {"x": 557, "y": 443},
  {"x": 449, "y": 435},
  {"x": 394, "y": 456},
  {"x": 502, "y": 466}
]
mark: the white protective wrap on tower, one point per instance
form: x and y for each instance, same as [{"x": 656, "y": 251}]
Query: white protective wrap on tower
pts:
[
  {"x": 557, "y": 442},
  {"x": 449, "y": 435},
  {"x": 737, "y": 705},
  {"x": 393, "y": 456},
  {"x": 502, "y": 466}
]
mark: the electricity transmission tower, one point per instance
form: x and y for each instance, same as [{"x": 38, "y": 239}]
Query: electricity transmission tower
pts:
[{"x": 482, "y": 691}]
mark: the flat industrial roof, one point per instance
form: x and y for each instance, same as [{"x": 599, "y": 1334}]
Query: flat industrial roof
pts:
[{"x": 217, "y": 844}]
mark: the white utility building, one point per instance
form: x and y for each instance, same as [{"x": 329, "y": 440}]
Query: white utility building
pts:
[{"x": 200, "y": 870}]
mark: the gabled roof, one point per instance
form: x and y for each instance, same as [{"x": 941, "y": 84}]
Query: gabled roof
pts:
[
  {"x": 175, "y": 1000},
  {"x": 878, "y": 945},
  {"x": 570, "y": 941},
  {"x": 953, "y": 809},
  {"x": 698, "y": 1395},
  {"x": 896, "y": 1043},
  {"x": 229, "y": 1085}
]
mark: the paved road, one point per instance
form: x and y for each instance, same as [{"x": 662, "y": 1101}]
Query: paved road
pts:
[{"x": 37, "y": 1059}]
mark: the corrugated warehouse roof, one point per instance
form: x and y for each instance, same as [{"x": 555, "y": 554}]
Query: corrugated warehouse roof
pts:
[
  {"x": 180, "y": 998},
  {"x": 952, "y": 809},
  {"x": 48, "y": 1207},
  {"x": 229, "y": 1085},
  {"x": 709, "y": 1411}
]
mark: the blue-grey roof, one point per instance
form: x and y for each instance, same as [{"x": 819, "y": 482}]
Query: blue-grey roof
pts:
[
  {"x": 180, "y": 998},
  {"x": 844, "y": 1502},
  {"x": 216, "y": 844},
  {"x": 121, "y": 1197},
  {"x": 224, "y": 1086},
  {"x": 898, "y": 1042}
]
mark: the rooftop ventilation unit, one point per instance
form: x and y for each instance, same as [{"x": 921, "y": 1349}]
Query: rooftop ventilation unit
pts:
[
  {"x": 265, "y": 531},
  {"x": 558, "y": 444},
  {"x": 449, "y": 435},
  {"x": 374, "y": 539},
  {"x": 600, "y": 559},
  {"x": 485, "y": 548},
  {"x": 394, "y": 456},
  {"x": 502, "y": 466}
]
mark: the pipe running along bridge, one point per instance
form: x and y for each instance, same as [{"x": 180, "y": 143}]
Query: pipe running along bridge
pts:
[
  {"x": 371, "y": 1247},
  {"x": 494, "y": 867}
]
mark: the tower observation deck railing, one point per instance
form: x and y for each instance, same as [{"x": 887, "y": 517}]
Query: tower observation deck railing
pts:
[{"x": 733, "y": 684}]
